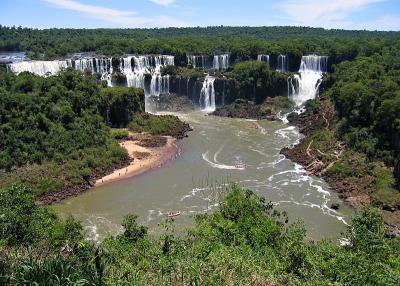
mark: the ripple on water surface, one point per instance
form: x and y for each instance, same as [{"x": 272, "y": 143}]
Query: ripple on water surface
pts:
[{"x": 217, "y": 151}]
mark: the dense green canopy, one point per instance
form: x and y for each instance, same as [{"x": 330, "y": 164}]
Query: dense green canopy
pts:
[
  {"x": 243, "y": 43},
  {"x": 245, "y": 242}
]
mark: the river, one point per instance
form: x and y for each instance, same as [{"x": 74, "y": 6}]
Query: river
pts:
[{"x": 208, "y": 158}]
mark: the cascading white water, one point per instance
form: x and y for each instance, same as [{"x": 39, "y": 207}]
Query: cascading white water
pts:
[
  {"x": 84, "y": 64},
  {"x": 282, "y": 63},
  {"x": 207, "y": 95},
  {"x": 197, "y": 61},
  {"x": 221, "y": 62},
  {"x": 135, "y": 69},
  {"x": 159, "y": 85},
  {"x": 41, "y": 68},
  {"x": 135, "y": 73},
  {"x": 263, "y": 58},
  {"x": 305, "y": 85},
  {"x": 102, "y": 66}
]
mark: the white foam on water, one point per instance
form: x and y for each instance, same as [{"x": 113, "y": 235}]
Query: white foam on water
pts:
[
  {"x": 324, "y": 210},
  {"x": 92, "y": 228},
  {"x": 273, "y": 164},
  {"x": 150, "y": 215},
  {"x": 284, "y": 132},
  {"x": 218, "y": 152},
  {"x": 260, "y": 152},
  {"x": 298, "y": 170},
  {"x": 216, "y": 165},
  {"x": 283, "y": 117}
]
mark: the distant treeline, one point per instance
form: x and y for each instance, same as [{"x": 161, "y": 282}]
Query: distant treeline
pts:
[{"x": 243, "y": 43}]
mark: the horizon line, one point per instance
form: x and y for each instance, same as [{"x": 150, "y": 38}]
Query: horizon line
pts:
[{"x": 198, "y": 27}]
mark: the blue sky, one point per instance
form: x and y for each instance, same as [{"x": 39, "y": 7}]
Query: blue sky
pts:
[{"x": 346, "y": 14}]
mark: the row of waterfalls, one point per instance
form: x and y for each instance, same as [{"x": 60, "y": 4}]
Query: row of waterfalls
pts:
[
  {"x": 222, "y": 62},
  {"x": 145, "y": 71},
  {"x": 134, "y": 68},
  {"x": 282, "y": 62},
  {"x": 207, "y": 92},
  {"x": 219, "y": 62},
  {"x": 302, "y": 86}
]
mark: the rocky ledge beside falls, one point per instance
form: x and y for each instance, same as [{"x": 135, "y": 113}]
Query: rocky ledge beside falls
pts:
[{"x": 347, "y": 172}]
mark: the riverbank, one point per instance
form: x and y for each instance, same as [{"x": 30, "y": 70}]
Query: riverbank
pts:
[
  {"x": 357, "y": 180},
  {"x": 146, "y": 152}
]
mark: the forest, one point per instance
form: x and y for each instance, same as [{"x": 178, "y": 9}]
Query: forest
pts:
[
  {"x": 367, "y": 99},
  {"x": 243, "y": 43},
  {"x": 53, "y": 128}
]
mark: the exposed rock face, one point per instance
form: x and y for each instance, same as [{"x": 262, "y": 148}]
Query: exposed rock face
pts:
[
  {"x": 118, "y": 78},
  {"x": 355, "y": 191},
  {"x": 243, "y": 109},
  {"x": 319, "y": 117},
  {"x": 172, "y": 103},
  {"x": 226, "y": 90},
  {"x": 187, "y": 87},
  {"x": 335, "y": 206}
]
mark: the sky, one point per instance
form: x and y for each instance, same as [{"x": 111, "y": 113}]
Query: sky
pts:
[{"x": 342, "y": 14}]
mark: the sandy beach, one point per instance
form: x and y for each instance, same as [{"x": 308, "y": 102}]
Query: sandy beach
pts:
[{"x": 144, "y": 159}]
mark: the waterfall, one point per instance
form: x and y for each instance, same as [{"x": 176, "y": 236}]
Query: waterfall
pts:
[
  {"x": 304, "y": 86},
  {"x": 221, "y": 62},
  {"x": 196, "y": 61},
  {"x": 135, "y": 74},
  {"x": 207, "y": 95},
  {"x": 41, "y": 68},
  {"x": 283, "y": 63},
  {"x": 135, "y": 69},
  {"x": 102, "y": 66},
  {"x": 159, "y": 85},
  {"x": 84, "y": 64},
  {"x": 263, "y": 58},
  {"x": 223, "y": 93}
]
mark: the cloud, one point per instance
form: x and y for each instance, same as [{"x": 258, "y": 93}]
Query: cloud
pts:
[
  {"x": 122, "y": 18},
  {"x": 384, "y": 23},
  {"x": 163, "y": 2},
  {"x": 325, "y": 13}
]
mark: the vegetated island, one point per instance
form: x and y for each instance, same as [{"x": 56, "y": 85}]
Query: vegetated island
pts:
[{"x": 54, "y": 128}]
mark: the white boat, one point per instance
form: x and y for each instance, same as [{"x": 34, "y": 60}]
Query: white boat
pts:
[
  {"x": 240, "y": 166},
  {"x": 173, "y": 214}
]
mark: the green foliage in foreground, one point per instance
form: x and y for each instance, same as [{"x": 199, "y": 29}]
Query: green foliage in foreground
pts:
[
  {"x": 245, "y": 242},
  {"x": 157, "y": 125}
]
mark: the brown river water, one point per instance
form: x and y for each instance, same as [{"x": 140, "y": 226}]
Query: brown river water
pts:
[{"x": 209, "y": 157}]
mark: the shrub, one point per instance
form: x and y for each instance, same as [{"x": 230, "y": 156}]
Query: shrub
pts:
[
  {"x": 119, "y": 134},
  {"x": 133, "y": 231}
]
